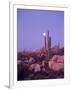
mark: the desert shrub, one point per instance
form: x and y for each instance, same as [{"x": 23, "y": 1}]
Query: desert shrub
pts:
[
  {"x": 19, "y": 56},
  {"x": 22, "y": 71}
]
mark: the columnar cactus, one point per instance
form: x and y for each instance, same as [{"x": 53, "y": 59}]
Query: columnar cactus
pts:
[{"x": 48, "y": 44}]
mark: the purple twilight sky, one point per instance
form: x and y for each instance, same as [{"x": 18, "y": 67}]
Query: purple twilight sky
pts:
[{"x": 31, "y": 24}]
